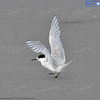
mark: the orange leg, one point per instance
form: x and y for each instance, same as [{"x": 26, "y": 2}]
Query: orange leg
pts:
[{"x": 57, "y": 75}]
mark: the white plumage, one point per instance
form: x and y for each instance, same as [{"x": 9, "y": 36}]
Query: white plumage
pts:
[{"x": 56, "y": 60}]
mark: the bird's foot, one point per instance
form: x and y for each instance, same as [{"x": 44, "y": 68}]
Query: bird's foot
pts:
[
  {"x": 57, "y": 75},
  {"x": 51, "y": 73}
]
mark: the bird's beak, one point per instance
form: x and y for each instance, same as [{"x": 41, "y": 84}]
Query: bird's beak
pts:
[{"x": 34, "y": 59}]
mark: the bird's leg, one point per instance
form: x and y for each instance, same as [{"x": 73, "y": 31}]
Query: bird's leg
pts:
[
  {"x": 51, "y": 73},
  {"x": 57, "y": 75}
]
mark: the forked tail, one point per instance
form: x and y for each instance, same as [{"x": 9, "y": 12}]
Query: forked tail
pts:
[{"x": 61, "y": 68}]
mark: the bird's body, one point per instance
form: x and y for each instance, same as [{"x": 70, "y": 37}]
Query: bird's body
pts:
[{"x": 55, "y": 61}]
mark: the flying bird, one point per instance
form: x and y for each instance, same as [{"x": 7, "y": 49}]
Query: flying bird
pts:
[{"x": 54, "y": 61}]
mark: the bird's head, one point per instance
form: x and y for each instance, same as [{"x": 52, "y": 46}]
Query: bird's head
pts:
[{"x": 40, "y": 58}]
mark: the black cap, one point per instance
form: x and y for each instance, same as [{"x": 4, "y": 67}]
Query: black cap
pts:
[{"x": 41, "y": 56}]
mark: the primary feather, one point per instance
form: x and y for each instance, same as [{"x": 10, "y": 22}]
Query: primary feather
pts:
[{"x": 57, "y": 51}]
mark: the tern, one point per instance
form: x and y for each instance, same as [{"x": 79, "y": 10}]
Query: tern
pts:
[{"x": 55, "y": 61}]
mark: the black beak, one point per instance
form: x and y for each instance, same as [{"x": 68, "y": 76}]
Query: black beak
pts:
[{"x": 33, "y": 59}]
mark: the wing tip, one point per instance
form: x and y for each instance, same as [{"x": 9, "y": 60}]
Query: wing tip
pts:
[
  {"x": 55, "y": 17},
  {"x": 27, "y": 42}
]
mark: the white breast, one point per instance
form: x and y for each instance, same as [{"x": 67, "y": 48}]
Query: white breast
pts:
[{"x": 45, "y": 63}]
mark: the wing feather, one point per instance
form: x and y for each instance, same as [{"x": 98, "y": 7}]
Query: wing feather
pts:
[
  {"x": 57, "y": 51},
  {"x": 38, "y": 47}
]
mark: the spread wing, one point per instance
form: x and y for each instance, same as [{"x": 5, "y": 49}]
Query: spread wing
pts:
[
  {"x": 38, "y": 47},
  {"x": 57, "y": 51}
]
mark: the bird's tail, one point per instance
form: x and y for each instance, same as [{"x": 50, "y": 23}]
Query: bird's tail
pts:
[{"x": 62, "y": 67}]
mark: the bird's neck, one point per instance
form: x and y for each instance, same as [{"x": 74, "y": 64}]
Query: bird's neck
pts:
[{"x": 45, "y": 63}]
